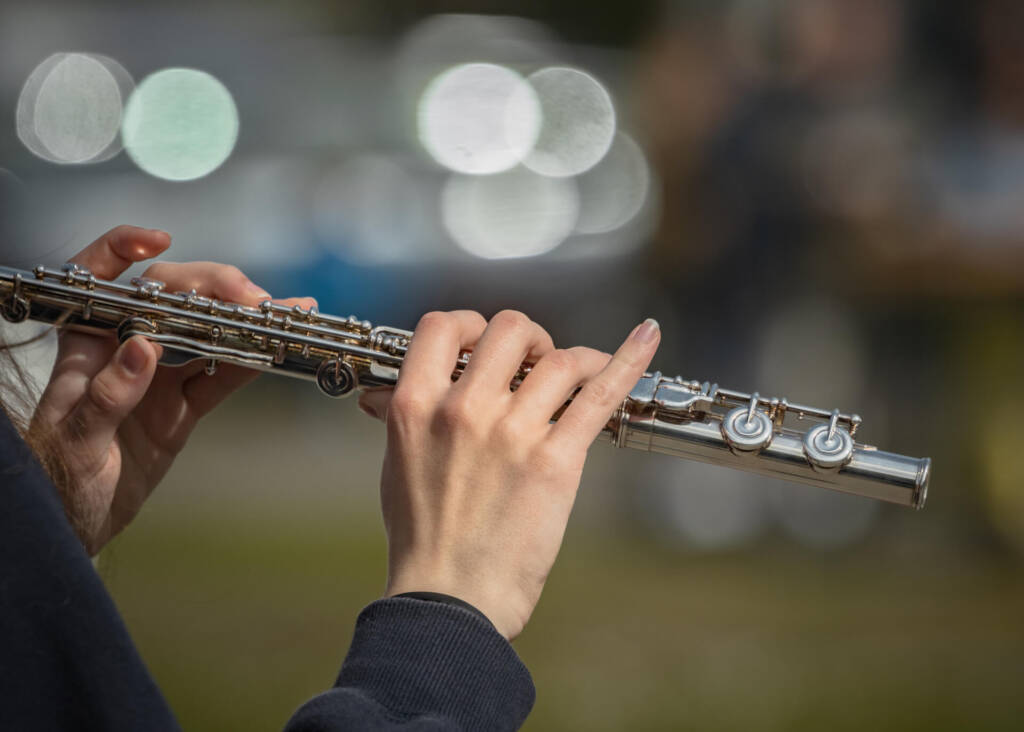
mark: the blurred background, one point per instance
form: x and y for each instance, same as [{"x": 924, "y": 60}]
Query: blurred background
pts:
[{"x": 818, "y": 199}]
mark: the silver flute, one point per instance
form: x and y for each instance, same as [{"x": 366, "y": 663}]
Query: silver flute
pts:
[{"x": 688, "y": 419}]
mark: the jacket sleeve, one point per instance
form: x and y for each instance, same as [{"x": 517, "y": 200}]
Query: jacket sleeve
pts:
[
  {"x": 416, "y": 665},
  {"x": 66, "y": 659}
]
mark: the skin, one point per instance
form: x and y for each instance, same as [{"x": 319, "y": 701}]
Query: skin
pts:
[
  {"x": 477, "y": 483},
  {"x": 120, "y": 419}
]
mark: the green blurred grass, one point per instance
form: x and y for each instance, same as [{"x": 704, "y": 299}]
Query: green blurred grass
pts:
[
  {"x": 242, "y": 620},
  {"x": 242, "y": 581}
]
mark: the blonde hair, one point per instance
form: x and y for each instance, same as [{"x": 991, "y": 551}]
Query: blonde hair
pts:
[{"x": 17, "y": 402}]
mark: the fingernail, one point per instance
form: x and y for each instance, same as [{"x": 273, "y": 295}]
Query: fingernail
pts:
[
  {"x": 132, "y": 357},
  {"x": 165, "y": 233},
  {"x": 256, "y": 291},
  {"x": 646, "y": 331}
]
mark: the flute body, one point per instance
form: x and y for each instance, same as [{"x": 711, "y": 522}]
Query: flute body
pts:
[{"x": 688, "y": 419}]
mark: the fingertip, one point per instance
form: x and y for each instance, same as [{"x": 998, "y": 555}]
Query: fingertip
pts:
[
  {"x": 647, "y": 332},
  {"x": 135, "y": 356},
  {"x": 136, "y": 244},
  {"x": 254, "y": 291},
  {"x": 161, "y": 239}
]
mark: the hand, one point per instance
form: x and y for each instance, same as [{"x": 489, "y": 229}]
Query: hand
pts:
[
  {"x": 118, "y": 417},
  {"x": 477, "y": 484}
]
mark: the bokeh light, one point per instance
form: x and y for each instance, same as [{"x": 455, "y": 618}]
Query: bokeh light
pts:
[
  {"x": 831, "y": 373},
  {"x": 180, "y": 124},
  {"x": 372, "y": 210},
  {"x": 1003, "y": 468},
  {"x": 578, "y": 122},
  {"x": 826, "y": 333},
  {"x": 441, "y": 42},
  {"x": 818, "y": 219},
  {"x": 614, "y": 190},
  {"x": 70, "y": 108},
  {"x": 710, "y": 507},
  {"x": 478, "y": 118},
  {"x": 513, "y": 214},
  {"x": 445, "y": 40},
  {"x": 822, "y": 519}
]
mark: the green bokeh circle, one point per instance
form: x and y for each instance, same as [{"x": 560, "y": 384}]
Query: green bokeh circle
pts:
[{"x": 180, "y": 124}]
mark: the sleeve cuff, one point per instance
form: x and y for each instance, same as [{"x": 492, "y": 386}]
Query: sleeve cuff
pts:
[
  {"x": 419, "y": 657},
  {"x": 446, "y": 599}
]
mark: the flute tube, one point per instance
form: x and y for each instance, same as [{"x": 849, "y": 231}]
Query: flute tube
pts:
[{"x": 870, "y": 472}]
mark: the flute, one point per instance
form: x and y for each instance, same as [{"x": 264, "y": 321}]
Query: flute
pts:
[{"x": 688, "y": 419}]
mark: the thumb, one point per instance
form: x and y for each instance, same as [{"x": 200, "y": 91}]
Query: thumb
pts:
[
  {"x": 375, "y": 402},
  {"x": 110, "y": 396}
]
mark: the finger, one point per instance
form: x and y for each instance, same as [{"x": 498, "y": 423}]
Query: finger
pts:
[
  {"x": 224, "y": 282},
  {"x": 554, "y": 378},
  {"x": 435, "y": 347},
  {"x": 110, "y": 396},
  {"x": 115, "y": 251},
  {"x": 591, "y": 409},
  {"x": 204, "y": 391},
  {"x": 306, "y": 303},
  {"x": 375, "y": 402},
  {"x": 509, "y": 339}
]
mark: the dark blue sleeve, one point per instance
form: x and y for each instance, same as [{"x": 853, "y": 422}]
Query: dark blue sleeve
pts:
[
  {"x": 66, "y": 660},
  {"x": 415, "y": 666}
]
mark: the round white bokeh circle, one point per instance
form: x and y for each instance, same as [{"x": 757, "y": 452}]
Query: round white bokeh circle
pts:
[
  {"x": 69, "y": 109},
  {"x": 512, "y": 214},
  {"x": 578, "y": 122},
  {"x": 478, "y": 118}
]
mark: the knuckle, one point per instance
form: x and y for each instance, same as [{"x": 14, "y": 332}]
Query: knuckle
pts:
[
  {"x": 590, "y": 353},
  {"x": 511, "y": 320},
  {"x": 601, "y": 392},
  {"x": 407, "y": 408},
  {"x": 509, "y": 431},
  {"x": 119, "y": 231},
  {"x": 632, "y": 361},
  {"x": 478, "y": 320},
  {"x": 104, "y": 394},
  {"x": 434, "y": 320},
  {"x": 591, "y": 357},
  {"x": 229, "y": 277},
  {"x": 457, "y": 414},
  {"x": 561, "y": 360},
  {"x": 547, "y": 457}
]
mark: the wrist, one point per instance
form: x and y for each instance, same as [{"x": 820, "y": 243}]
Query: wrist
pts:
[
  {"x": 498, "y": 612},
  {"x": 443, "y": 599}
]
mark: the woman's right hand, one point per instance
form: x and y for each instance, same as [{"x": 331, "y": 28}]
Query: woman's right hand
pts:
[{"x": 477, "y": 484}]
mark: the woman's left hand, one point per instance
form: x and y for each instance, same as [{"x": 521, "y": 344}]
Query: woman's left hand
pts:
[{"x": 118, "y": 418}]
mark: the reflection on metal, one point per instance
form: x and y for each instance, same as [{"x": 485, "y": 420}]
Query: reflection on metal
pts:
[{"x": 671, "y": 416}]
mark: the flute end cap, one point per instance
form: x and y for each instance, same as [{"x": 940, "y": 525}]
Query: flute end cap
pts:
[{"x": 924, "y": 474}]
